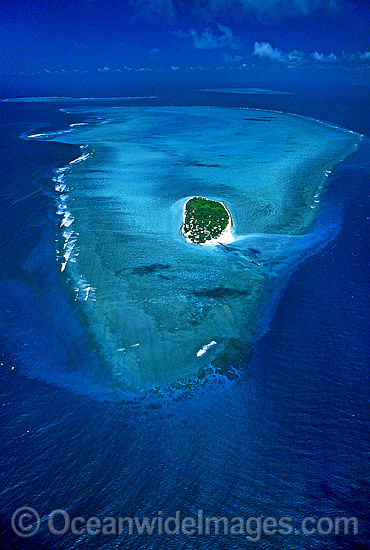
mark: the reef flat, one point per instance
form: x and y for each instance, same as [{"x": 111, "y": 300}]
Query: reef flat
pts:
[{"x": 159, "y": 311}]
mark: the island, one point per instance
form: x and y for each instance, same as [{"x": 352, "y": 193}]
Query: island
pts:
[{"x": 207, "y": 222}]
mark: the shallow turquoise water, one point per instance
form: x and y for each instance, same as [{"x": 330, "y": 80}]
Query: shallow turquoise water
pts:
[{"x": 151, "y": 300}]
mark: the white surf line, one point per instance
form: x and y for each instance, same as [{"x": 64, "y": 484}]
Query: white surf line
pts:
[
  {"x": 205, "y": 348},
  {"x": 81, "y": 158},
  {"x": 58, "y": 99},
  {"x": 131, "y": 346},
  {"x": 84, "y": 291},
  {"x": 323, "y": 122},
  {"x": 68, "y": 251}
]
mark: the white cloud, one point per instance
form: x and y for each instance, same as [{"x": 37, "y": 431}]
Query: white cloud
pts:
[
  {"x": 324, "y": 58},
  {"x": 227, "y": 39},
  {"x": 264, "y": 50},
  {"x": 205, "y": 41},
  {"x": 208, "y": 40},
  {"x": 296, "y": 56}
]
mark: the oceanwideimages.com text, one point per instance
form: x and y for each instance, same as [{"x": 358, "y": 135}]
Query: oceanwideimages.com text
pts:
[{"x": 26, "y": 522}]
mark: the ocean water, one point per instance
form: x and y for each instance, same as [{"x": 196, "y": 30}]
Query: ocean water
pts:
[{"x": 286, "y": 435}]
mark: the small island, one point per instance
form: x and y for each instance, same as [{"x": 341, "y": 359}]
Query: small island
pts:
[{"x": 206, "y": 222}]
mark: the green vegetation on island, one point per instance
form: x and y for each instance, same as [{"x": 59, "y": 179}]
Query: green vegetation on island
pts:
[{"x": 204, "y": 220}]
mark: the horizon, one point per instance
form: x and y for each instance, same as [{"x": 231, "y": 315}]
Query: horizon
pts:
[{"x": 88, "y": 47}]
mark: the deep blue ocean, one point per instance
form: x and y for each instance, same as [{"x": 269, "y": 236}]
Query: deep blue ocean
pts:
[{"x": 290, "y": 437}]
